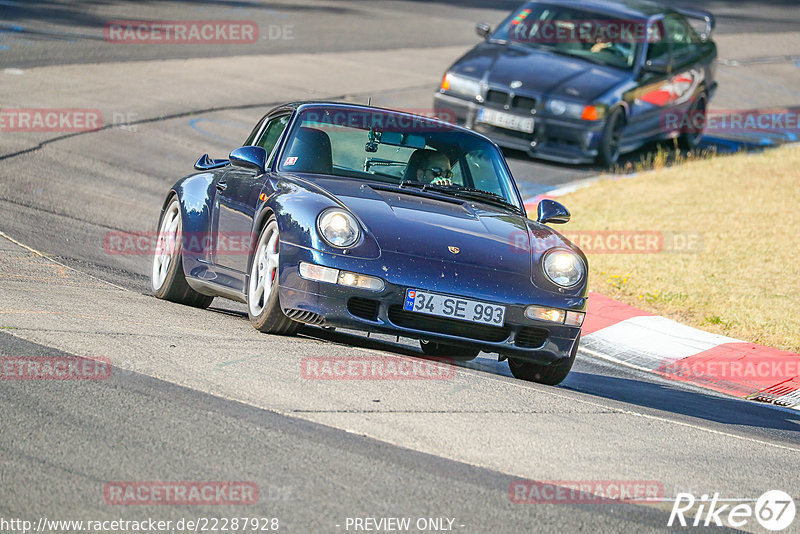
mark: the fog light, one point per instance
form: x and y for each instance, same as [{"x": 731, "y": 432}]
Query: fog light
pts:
[
  {"x": 554, "y": 315},
  {"x": 574, "y": 318},
  {"x": 361, "y": 281},
  {"x": 319, "y": 273}
]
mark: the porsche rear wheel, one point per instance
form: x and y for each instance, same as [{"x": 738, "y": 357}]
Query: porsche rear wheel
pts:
[
  {"x": 263, "y": 305},
  {"x": 551, "y": 375},
  {"x": 459, "y": 354},
  {"x": 168, "y": 280}
]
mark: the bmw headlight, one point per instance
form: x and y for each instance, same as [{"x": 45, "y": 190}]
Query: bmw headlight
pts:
[
  {"x": 558, "y": 107},
  {"x": 563, "y": 267},
  {"x": 461, "y": 85},
  {"x": 338, "y": 228}
]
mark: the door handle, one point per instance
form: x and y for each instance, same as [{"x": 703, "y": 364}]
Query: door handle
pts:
[{"x": 222, "y": 186}]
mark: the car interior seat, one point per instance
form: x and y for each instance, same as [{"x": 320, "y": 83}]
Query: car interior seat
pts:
[
  {"x": 416, "y": 162},
  {"x": 312, "y": 148}
]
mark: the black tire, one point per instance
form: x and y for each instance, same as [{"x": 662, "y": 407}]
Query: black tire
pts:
[
  {"x": 608, "y": 153},
  {"x": 550, "y": 375},
  {"x": 167, "y": 278},
  {"x": 264, "y": 308},
  {"x": 455, "y": 352},
  {"x": 689, "y": 140}
]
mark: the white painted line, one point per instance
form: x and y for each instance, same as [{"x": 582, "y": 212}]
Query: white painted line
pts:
[{"x": 48, "y": 258}]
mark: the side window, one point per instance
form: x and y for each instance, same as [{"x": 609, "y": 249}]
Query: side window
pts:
[
  {"x": 657, "y": 44},
  {"x": 685, "y": 41},
  {"x": 272, "y": 133}
]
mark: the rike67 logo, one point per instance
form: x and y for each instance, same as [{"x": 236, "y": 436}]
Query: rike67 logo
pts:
[{"x": 774, "y": 510}]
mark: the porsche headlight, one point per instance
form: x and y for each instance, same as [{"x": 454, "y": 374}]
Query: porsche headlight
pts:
[
  {"x": 461, "y": 85},
  {"x": 338, "y": 228},
  {"x": 563, "y": 267}
]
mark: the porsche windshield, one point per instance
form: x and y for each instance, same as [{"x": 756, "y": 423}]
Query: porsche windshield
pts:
[
  {"x": 396, "y": 148},
  {"x": 564, "y": 30}
]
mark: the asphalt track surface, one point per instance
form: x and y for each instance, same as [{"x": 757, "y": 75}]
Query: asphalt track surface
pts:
[{"x": 199, "y": 395}]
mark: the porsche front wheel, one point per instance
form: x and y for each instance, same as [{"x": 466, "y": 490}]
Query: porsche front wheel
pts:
[
  {"x": 459, "y": 354},
  {"x": 169, "y": 282},
  {"x": 263, "y": 305},
  {"x": 551, "y": 375}
]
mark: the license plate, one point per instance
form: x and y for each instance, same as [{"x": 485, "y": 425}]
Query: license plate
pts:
[
  {"x": 454, "y": 307},
  {"x": 506, "y": 120}
]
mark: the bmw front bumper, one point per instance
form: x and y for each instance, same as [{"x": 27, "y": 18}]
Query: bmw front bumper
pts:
[{"x": 554, "y": 139}]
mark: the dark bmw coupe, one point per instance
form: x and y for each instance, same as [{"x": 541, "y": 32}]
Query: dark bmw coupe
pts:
[
  {"x": 340, "y": 215},
  {"x": 582, "y": 81}
]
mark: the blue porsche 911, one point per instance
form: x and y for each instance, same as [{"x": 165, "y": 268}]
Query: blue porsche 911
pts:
[{"x": 340, "y": 215}]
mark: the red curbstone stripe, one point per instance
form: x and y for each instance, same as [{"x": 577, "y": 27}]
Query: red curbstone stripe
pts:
[
  {"x": 738, "y": 369},
  {"x": 603, "y": 312}
]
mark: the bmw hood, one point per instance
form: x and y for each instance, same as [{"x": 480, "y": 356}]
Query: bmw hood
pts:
[{"x": 540, "y": 72}]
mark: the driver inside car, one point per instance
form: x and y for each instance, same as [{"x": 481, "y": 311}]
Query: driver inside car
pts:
[{"x": 429, "y": 167}]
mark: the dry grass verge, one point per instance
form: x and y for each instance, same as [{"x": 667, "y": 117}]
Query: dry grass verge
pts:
[{"x": 743, "y": 278}]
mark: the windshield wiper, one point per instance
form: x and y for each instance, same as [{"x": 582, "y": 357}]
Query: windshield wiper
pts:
[
  {"x": 484, "y": 196},
  {"x": 463, "y": 192}
]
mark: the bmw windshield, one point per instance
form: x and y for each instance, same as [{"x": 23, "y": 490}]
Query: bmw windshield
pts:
[
  {"x": 597, "y": 38},
  {"x": 401, "y": 150}
]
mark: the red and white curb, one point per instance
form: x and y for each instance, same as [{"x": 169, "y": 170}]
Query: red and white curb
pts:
[{"x": 628, "y": 336}]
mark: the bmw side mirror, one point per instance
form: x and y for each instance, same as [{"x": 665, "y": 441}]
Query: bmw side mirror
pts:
[
  {"x": 655, "y": 67},
  {"x": 249, "y": 157},
  {"x": 550, "y": 211},
  {"x": 483, "y": 29}
]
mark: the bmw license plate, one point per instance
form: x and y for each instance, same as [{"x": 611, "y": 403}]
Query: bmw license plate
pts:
[
  {"x": 454, "y": 307},
  {"x": 506, "y": 120}
]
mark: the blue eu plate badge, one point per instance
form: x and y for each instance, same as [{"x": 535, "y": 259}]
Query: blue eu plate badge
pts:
[{"x": 409, "y": 304}]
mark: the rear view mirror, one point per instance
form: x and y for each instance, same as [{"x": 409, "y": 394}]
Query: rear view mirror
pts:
[
  {"x": 402, "y": 139},
  {"x": 249, "y": 157},
  {"x": 483, "y": 29},
  {"x": 550, "y": 211}
]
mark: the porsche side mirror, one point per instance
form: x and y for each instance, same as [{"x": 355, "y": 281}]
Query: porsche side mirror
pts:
[
  {"x": 249, "y": 157},
  {"x": 550, "y": 211},
  {"x": 483, "y": 29}
]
